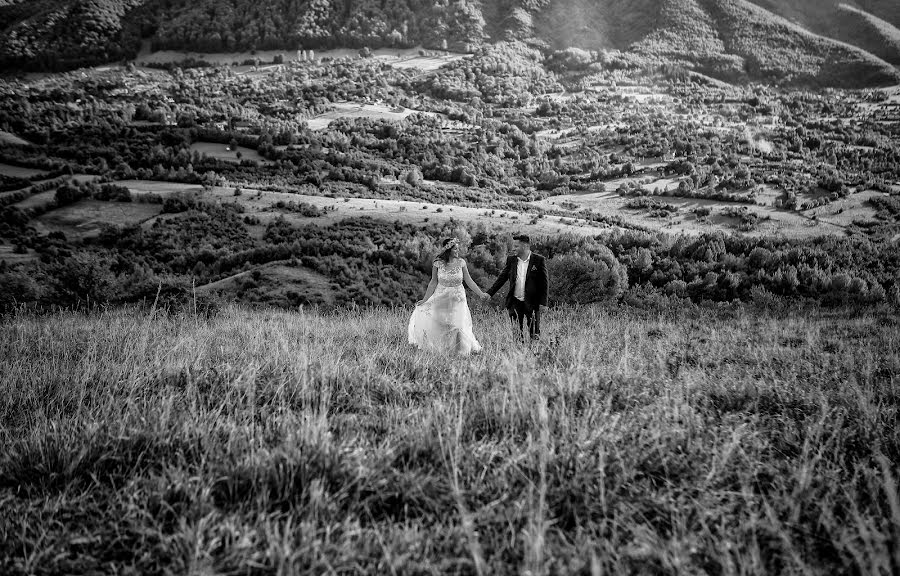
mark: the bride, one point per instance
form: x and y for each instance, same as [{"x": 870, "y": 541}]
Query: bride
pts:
[{"x": 441, "y": 320}]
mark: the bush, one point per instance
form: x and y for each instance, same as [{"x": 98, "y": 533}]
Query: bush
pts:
[
  {"x": 414, "y": 177},
  {"x": 176, "y": 204},
  {"x": 69, "y": 194},
  {"x": 82, "y": 278},
  {"x": 577, "y": 279},
  {"x": 16, "y": 288},
  {"x": 113, "y": 193}
]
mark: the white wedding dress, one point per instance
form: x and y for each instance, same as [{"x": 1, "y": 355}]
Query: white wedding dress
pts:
[{"x": 443, "y": 322}]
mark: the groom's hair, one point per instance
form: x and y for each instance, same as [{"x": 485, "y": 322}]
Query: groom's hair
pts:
[{"x": 523, "y": 238}]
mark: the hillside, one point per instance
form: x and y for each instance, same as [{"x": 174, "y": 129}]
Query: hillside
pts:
[
  {"x": 871, "y": 33},
  {"x": 60, "y": 34},
  {"x": 871, "y": 25},
  {"x": 776, "y": 49},
  {"x": 729, "y": 39},
  {"x": 294, "y": 442}
]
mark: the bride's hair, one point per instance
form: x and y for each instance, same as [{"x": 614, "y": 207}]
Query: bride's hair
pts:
[{"x": 447, "y": 246}]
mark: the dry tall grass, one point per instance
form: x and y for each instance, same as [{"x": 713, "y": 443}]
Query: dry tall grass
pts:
[{"x": 260, "y": 442}]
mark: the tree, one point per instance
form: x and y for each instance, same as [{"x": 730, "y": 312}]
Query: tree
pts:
[
  {"x": 582, "y": 280},
  {"x": 414, "y": 177}
]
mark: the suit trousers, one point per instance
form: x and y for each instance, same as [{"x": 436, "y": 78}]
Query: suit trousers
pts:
[{"x": 523, "y": 314}]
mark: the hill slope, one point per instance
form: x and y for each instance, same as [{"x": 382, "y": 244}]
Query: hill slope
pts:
[
  {"x": 59, "y": 35},
  {"x": 732, "y": 39},
  {"x": 873, "y": 25},
  {"x": 296, "y": 442},
  {"x": 774, "y": 48},
  {"x": 727, "y": 38},
  {"x": 867, "y": 31}
]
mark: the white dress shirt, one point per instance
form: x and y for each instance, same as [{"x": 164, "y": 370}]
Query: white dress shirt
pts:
[{"x": 521, "y": 271}]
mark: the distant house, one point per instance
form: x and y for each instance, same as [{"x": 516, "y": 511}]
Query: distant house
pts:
[{"x": 241, "y": 125}]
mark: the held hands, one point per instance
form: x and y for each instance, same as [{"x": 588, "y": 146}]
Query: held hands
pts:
[{"x": 484, "y": 296}]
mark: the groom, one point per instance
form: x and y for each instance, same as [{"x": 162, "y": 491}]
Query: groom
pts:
[{"x": 528, "y": 285}]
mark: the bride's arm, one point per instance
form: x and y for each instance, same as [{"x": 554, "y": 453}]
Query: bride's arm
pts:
[
  {"x": 431, "y": 285},
  {"x": 471, "y": 283}
]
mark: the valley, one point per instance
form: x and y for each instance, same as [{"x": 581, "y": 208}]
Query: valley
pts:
[
  {"x": 216, "y": 218},
  {"x": 332, "y": 142}
]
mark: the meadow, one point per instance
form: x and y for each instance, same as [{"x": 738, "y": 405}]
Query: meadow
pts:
[{"x": 723, "y": 439}]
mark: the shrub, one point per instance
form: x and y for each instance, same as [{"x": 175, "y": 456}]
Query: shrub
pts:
[
  {"x": 577, "y": 279},
  {"x": 16, "y": 288},
  {"x": 81, "y": 278},
  {"x": 69, "y": 194},
  {"x": 414, "y": 177},
  {"x": 113, "y": 193}
]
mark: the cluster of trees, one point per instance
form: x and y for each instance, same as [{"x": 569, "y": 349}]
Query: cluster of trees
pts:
[
  {"x": 505, "y": 73},
  {"x": 235, "y": 25},
  {"x": 61, "y": 35},
  {"x": 376, "y": 262}
]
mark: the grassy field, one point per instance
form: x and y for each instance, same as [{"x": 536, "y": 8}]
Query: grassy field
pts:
[
  {"x": 19, "y": 171},
  {"x": 360, "y": 110},
  {"x": 831, "y": 219},
  {"x": 692, "y": 441},
  {"x": 262, "y": 203},
  {"x": 221, "y": 151},
  {"x": 12, "y": 139},
  {"x": 86, "y": 217},
  {"x": 400, "y": 57},
  {"x": 275, "y": 279},
  {"x": 9, "y": 255}
]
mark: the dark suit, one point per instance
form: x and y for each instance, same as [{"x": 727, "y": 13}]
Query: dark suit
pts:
[{"x": 537, "y": 284}]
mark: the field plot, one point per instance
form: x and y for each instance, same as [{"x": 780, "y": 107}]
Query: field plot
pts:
[
  {"x": 19, "y": 171},
  {"x": 9, "y": 255},
  {"x": 788, "y": 224},
  {"x": 38, "y": 200},
  {"x": 12, "y": 139},
  {"x": 226, "y": 58},
  {"x": 357, "y": 110},
  {"x": 261, "y": 204},
  {"x": 86, "y": 218},
  {"x": 156, "y": 187},
  {"x": 400, "y": 58},
  {"x": 845, "y": 211},
  {"x": 425, "y": 63},
  {"x": 773, "y": 222},
  {"x": 222, "y": 152}
]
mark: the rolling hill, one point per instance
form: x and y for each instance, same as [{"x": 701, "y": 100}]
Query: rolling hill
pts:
[
  {"x": 725, "y": 38},
  {"x": 798, "y": 41},
  {"x": 63, "y": 34},
  {"x": 872, "y": 25}
]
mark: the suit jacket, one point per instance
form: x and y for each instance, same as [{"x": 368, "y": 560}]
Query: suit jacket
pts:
[{"x": 537, "y": 282}]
